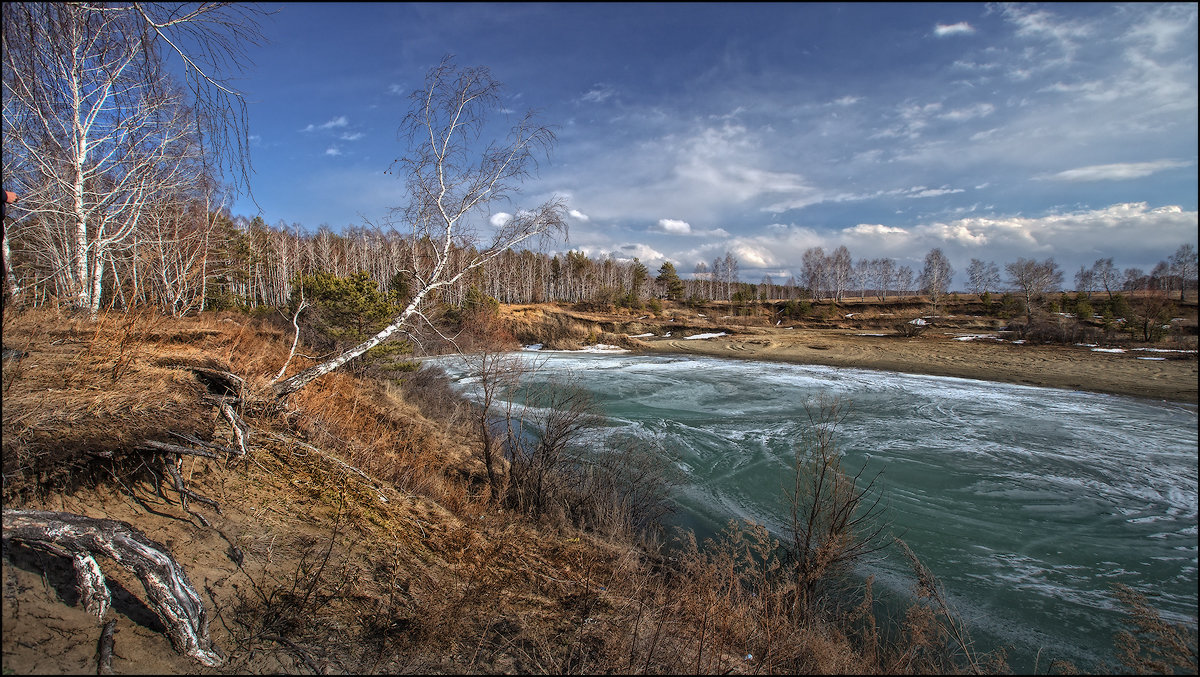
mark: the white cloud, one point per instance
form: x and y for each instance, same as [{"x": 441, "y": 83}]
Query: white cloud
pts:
[
  {"x": 960, "y": 28},
  {"x": 351, "y": 136},
  {"x": 921, "y": 191},
  {"x": 1115, "y": 172},
  {"x": 339, "y": 121},
  {"x": 699, "y": 175},
  {"x": 333, "y": 150},
  {"x": 397, "y": 90},
  {"x": 978, "y": 110},
  {"x": 1168, "y": 26},
  {"x": 753, "y": 256},
  {"x": 642, "y": 252},
  {"x": 500, "y": 219},
  {"x": 674, "y": 227},
  {"x": 1133, "y": 233},
  {"x": 847, "y": 100},
  {"x": 874, "y": 230},
  {"x": 578, "y": 215},
  {"x": 599, "y": 93}
]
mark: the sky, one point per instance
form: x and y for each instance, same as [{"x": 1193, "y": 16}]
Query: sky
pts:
[{"x": 685, "y": 131}]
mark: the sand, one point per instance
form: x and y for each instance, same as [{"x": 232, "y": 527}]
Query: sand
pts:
[{"x": 1168, "y": 376}]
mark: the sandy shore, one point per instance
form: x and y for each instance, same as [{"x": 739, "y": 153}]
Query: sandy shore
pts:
[{"x": 1157, "y": 375}]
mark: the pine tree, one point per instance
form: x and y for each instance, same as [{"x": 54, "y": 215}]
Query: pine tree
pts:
[{"x": 669, "y": 280}]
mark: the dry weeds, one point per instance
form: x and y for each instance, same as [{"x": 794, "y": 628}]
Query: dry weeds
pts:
[{"x": 356, "y": 535}]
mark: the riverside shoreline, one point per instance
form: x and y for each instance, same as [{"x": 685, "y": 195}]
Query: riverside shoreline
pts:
[{"x": 1155, "y": 374}]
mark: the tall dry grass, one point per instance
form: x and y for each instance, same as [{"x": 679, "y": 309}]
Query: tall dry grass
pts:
[{"x": 449, "y": 582}]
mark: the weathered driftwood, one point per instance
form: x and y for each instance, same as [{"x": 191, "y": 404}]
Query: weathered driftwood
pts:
[{"x": 168, "y": 590}]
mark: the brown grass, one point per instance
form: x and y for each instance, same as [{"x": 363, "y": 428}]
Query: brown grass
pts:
[{"x": 409, "y": 569}]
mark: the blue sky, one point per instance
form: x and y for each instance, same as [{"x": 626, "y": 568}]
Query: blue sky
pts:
[{"x": 688, "y": 130}]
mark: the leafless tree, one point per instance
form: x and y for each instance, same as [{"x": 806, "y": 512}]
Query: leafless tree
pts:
[
  {"x": 884, "y": 276},
  {"x": 903, "y": 280},
  {"x": 834, "y": 516},
  {"x": 496, "y": 375},
  {"x": 983, "y": 275},
  {"x": 541, "y": 455},
  {"x": 452, "y": 186},
  {"x": 815, "y": 271},
  {"x": 1106, "y": 275},
  {"x": 1183, "y": 266},
  {"x": 1033, "y": 278},
  {"x": 1135, "y": 279},
  {"x": 1085, "y": 280},
  {"x": 863, "y": 276},
  {"x": 936, "y": 275},
  {"x": 841, "y": 268},
  {"x": 95, "y": 127}
]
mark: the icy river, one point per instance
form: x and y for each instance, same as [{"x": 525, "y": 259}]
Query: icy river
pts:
[{"x": 1028, "y": 503}]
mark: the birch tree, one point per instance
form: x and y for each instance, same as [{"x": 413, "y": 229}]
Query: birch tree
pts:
[
  {"x": 1105, "y": 274},
  {"x": 841, "y": 268},
  {"x": 1183, "y": 266},
  {"x": 936, "y": 275},
  {"x": 814, "y": 271},
  {"x": 94, "y": 126},
  {"x": 984, "y": 276},
  {"x": 453, "y": 183},
  {"x": 1033, "y": 279}
]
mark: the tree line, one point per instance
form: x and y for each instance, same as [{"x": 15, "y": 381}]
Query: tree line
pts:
[
  {"x": 122, "y": 172},
  {"x": 188, "y": 258}
]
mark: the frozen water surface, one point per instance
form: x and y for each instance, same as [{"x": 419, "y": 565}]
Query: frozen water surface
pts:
[{"x": 1028, "y": 503}]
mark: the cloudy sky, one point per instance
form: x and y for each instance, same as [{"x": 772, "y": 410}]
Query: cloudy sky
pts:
[{"x": 685, "y": 131}]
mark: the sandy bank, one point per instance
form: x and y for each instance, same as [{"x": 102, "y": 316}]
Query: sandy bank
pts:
[{"x": 1157, "y": 375}]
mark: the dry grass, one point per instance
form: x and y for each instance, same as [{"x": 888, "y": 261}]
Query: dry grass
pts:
[{"x": 400, "y": 564}]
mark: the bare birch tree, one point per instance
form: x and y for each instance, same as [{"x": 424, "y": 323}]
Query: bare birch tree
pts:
[
  {"x": 1106, "y": 275},
  {"x": 453, "y": 183},
  {"x": 936, "y": 275},
  {"x": 815, "y": 271},
  {"x": 1033, "y": 278},
  {"x": 841, "y": 268},
  {"x": 94, "y": 126},
  {"x": 984, "y": 276}
]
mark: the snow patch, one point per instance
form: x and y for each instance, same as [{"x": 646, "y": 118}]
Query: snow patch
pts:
[
  {"x": 1164, "y": 350},
  {"x": 703, "y": 336}
]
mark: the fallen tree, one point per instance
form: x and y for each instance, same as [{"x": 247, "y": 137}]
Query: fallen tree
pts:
[{"x": 452, "y": 180}]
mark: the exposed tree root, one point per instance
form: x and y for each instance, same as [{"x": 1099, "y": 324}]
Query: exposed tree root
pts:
[
  {"x": 104, "y": 649},
  {"x": 169, "y": 592}
]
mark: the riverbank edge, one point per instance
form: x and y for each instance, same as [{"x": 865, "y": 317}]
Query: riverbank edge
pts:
[{"x": 1102, "y": 377}]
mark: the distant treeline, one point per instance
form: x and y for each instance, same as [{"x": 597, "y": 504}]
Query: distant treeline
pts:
[{"x": 192, "y": 259}]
